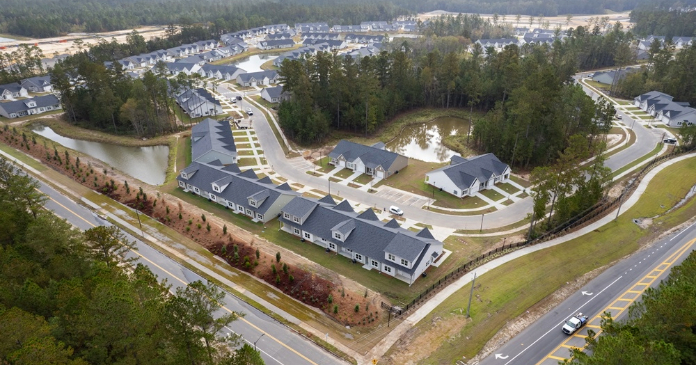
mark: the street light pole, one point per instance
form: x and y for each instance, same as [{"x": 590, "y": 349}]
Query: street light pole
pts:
[
  {"x": 468, "y": 307},
  {"x": 139, "y": 223},
  {"x": 258, "y": 341},
  {"x": 481, "y": 229}
]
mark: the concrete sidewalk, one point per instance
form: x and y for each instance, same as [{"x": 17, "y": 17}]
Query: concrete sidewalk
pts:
[{"x": 420, "y": 313}]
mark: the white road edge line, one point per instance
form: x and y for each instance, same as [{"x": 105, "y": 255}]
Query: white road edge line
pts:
[{"x": 554, "y": 327}]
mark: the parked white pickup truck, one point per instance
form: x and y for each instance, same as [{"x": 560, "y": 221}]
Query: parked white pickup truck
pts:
[{"x": 574, "y": 323}]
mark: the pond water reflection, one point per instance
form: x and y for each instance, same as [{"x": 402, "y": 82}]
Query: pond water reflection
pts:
[
  {"x": 423, "y": 141},
  {"x": 253, "y": 63},
  {"x": 148, "y": 164}
]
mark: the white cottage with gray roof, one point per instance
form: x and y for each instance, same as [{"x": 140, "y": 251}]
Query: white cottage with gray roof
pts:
[
  {"x": 31, "y": 106},
  {"x": 362, "y": 237},
  {"x": 372, "y": 160},
  {"x": 466, "y": 176}
]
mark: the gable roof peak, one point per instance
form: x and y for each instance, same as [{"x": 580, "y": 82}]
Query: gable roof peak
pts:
[{"x": 344, "y": 206}]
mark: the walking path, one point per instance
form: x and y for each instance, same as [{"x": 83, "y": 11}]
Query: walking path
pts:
[{"x": 420, "y": 313}]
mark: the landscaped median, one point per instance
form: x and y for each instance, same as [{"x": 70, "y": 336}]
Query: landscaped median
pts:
[{"x": 526, "y": 283}]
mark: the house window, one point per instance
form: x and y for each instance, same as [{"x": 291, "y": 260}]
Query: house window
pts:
[
  {"x": 358, "y": 257},
  {"x": 213, "y": 197},
  {"x": 259, "y": 216},
  {"x": 248, "y": 211},
  {"x": 215, "y": 188},
  {"x": 404, "y": 262},
  {"x": 307, "y": 235},
  {"x": 296, "y": 230},
  {"x": 230, "y": 204},
  {"x": 332, "y": 246},
  {"x": 286, "y": 215},
  {"x": 197, "y": 190},
  {"x": 350, "y": 165},
  {"x": 296, "y": 219},
  {"x": 337, "y": 236},
  {"x": 455, "y": 192},
  {"x": 375, "y": 263},
  {"x": 181, "y": 184},
  {"x": 392, "y": 257},
  {"x": 252, "y": 203},
  {"x": 387, "y": 269}
]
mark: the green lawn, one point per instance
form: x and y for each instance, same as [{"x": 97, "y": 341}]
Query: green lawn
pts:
[
  {"x": 508, "y": 188},
  {"x": 324, "y": 163},
  {"x": 246, "y": 161},
  {"x": 333, "y": 179},
  {"x": 646, "y": 117},
  {"x": 245, "y": 153},
  {"x": 363, "y": 179},
  {"x": 520, "y": 181},
  {"x": 509, "y": 290},
  {"x": 243, "y": 145},
  {"x": 492, "y": 194},
  {"x": 344, "y": 173}
]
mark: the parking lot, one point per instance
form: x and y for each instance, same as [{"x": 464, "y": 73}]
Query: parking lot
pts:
[{"x": 402, "y": 198}]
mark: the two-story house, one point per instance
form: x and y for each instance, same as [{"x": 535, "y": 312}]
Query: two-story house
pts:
[
  {"x": 361, "y": 237},
  {"x": 372, "y": 160},
  {"x": 242, "y": 192}
]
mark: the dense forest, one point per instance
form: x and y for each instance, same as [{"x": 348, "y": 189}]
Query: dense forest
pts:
[
  {"x": 649, "y": 20},
  {"x": 665, "y": 72},
  {"x": 340, "y": 93},
  {"x": 71, "y": 297},
  {"x": 659, "y": 328},
  {"x": 40, "y": 18}
]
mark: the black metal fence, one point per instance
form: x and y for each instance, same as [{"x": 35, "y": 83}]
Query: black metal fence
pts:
[{"x": 588, "y": 216}]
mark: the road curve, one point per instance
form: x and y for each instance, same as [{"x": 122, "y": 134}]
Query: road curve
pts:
[{"x": 645, "y": 142}]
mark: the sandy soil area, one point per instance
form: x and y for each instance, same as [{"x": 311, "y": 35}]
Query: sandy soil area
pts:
[
  {"x": 554, "y": 21},
  {"x": 66, "y": 44}
]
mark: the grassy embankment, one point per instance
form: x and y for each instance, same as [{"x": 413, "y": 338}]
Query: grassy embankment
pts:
[{"x": 509, "y": 290}]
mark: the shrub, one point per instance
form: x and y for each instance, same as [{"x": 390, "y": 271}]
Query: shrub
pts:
[
  {"x": 330, "y": 299},
  {"x": 198, "y": 225},
  {"x": 277, "y": 256},
  {"x": 224, "y": 249},
  {"x": 273, "y": 269},
  {"x": 188, "y": 228},
  {"x": 179, "y": 215},
  {"x": 343, "y": 293},
  {"x": 247, "y": 263},
  {"x": 167, "y": 209},
  {"x": 291, "y": 278},
  {"x": 154, "y": 203},
  {"x": 236, "y": 257},
  {"x": 207, "y": 226},
  {"x": 258, "y": 254},
  {"x": 235, "y": 248},
  {"x": 335, "y": 309},
  {"x": 285, "y": 268},
  {"x": 365, "y": 296},
  {"x": 189, "y": 222},
  {"x": 357, "y": 308},
  {"x": 367, "y": 307},
  {"x": 224, "y": 229},
  {"x": 277, "y": 279},
  {"x": 203, "y": 217}
]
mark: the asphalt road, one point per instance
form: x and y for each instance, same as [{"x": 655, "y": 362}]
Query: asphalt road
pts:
[
  {"x": 543, "y": 343},
  {"x": 277, "y": 343},
  {"x": 645, "y": 142}
]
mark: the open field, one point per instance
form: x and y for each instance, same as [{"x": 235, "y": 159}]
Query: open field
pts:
[
  {"x": 515, "y": 287},
  {"x": 554, "y": 21}
]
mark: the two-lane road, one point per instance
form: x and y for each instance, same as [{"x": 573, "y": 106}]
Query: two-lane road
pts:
[
  {"x": 543, "y": 343},
  {"x": 277, "y": 343}
]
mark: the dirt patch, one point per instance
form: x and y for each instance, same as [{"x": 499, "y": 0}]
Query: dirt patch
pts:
[{"x": 411, "y": 348}]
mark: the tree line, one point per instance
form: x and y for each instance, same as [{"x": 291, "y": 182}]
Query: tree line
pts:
[
  {"x": 649, "y": 20},
  {"x": 533, "y": 107},
  {"x": 38, "y": 18},
  {"x": 659, "y": 328},
  {"x": 72, "y": 297}
]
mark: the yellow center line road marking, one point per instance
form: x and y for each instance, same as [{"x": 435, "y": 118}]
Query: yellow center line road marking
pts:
[
  {"x": 185, "y": 283},
  {"x": 634, "y": 289}
]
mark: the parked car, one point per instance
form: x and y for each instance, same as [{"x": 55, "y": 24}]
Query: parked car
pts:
[
  {"x": 233, "y": 100},
  {"x": 618, "y": 117},
  {"x": 249, "y": 111},
  {"x": 239, "y": 97},
  {"x": 395, "y": 210},
  {"x": 670, "y": 141}
]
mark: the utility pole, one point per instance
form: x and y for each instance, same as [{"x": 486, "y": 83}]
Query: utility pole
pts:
[
  {"x": 468, "y": 307},
  {"x": 619, "y": 210},
  {"x": 481, "y": 229},
  {"x": 139, "y": 223}
]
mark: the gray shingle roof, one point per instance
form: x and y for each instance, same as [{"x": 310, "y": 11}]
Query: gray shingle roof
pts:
[
  {"x": 21, "y": 105},
  {"x": 13, "y": 87},
  {"x": 212, "y": 135},
  {"x": 240, "y": 187},
  {"x": 370, "y": 238},
  {"x": 274, "y": 92},
  {"x": 370, "y": 156},
  {"x": 246, "y": 77},
  {"x": 463, "y": 172}
]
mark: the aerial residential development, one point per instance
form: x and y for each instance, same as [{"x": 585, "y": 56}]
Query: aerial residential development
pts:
[{"x": 361, "y": 183}]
